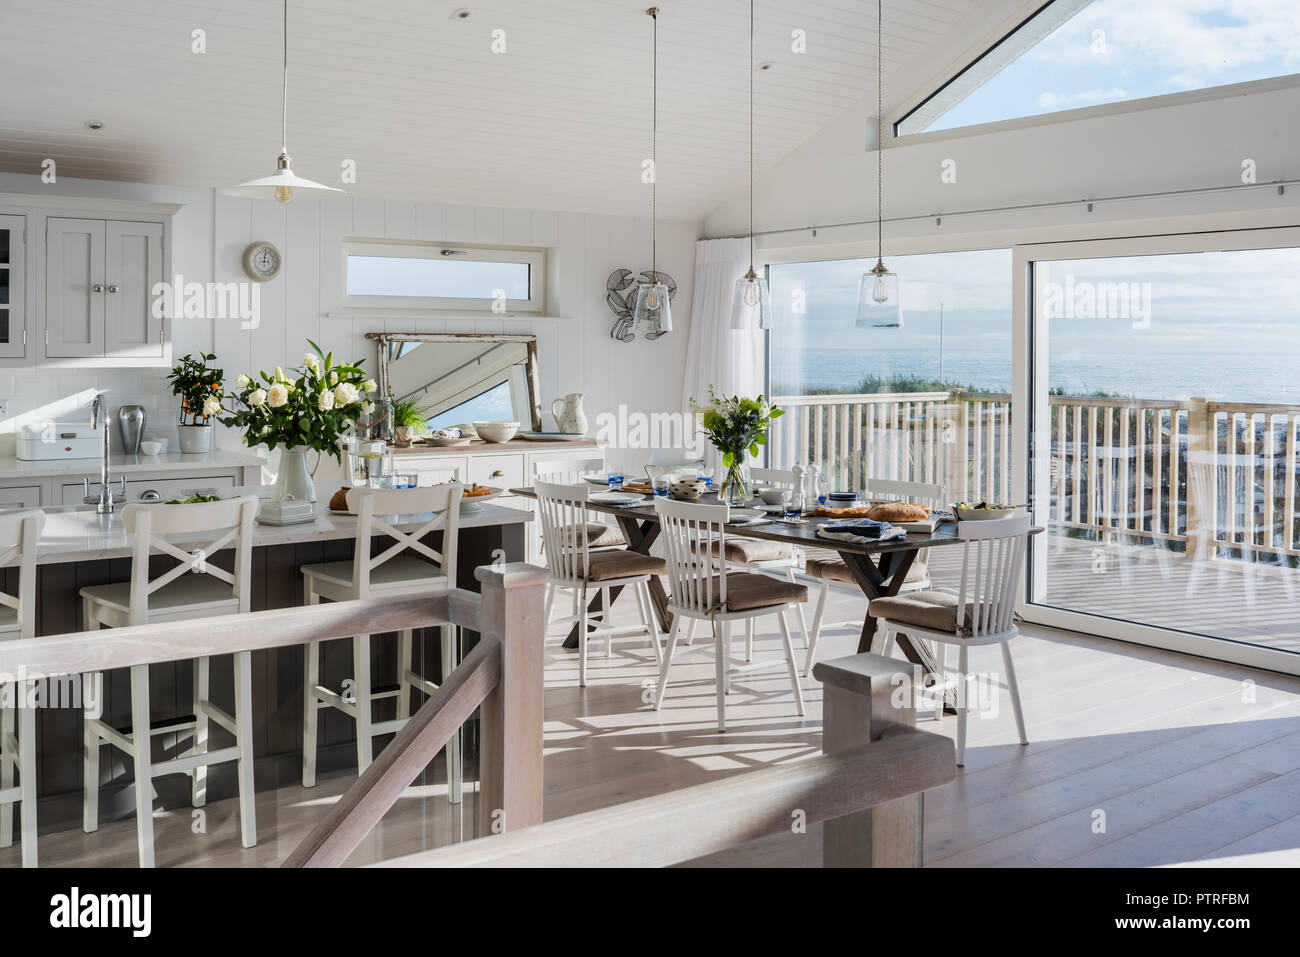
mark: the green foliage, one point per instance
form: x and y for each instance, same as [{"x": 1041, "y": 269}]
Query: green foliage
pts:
[
  {"x": 735, "y": 426},
  {"x": 194, "y": 382},
  {"x": 409, "y": 413},
  {"x": 312, "y": 405}
]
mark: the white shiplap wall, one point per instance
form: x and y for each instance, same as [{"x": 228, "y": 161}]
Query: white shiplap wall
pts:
[{"x": 575, "y": 350}]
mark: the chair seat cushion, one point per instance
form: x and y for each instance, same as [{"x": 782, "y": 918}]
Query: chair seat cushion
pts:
[
  {"x": 747, "y": 550},
  {"x": 749, "y": 590},
  {"x": 834, "y": 569},
  {"x": 599, "y": 535},
  {"x": 932, "y": 609},
  {"x": 398, "y": 570},
  {"x": 622, "y": 563},
  {"x": 186, "y": 591}
]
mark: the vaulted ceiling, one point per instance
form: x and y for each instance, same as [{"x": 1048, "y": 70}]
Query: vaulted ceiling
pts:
[{"x": 419, "y": 100}]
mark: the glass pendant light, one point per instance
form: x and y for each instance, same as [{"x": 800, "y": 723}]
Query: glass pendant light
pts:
[
  {"x": 878, "y": 303},
  {"x": 653, "y": 310},
  {"x": 282, "y": 185},
  {"x": 751, "y": 306}
]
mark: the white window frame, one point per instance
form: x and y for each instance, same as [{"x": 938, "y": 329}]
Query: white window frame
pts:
[
  {"x": 1030, "y": 353},
  {"x": 535, "y": 258}
]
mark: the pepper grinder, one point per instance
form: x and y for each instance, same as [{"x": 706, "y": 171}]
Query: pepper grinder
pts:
[{"x": 131, "y": 418}]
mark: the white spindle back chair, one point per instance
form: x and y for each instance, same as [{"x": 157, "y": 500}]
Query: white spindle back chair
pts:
[
  {"x": 701, "y": 593},
  {"x": 993, "y": 561},
  {"x": 407, "y": 567},
  {"x": 577, "y": 567},
  {"x": 19, "y": 533},
  {"x": 196, "y": 587},
  {"x": 829, "y": 570}
]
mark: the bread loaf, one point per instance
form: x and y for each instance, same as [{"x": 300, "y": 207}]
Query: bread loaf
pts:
[
  {"x": 898, "y": 512},
  {"x": 339, "y": 500}
]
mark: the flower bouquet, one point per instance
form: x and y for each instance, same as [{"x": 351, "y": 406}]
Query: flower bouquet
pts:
[{"x": 737, "y": 427}]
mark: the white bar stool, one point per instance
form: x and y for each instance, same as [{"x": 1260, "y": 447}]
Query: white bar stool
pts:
[
  {"x": 391, "y": 573},
  {"x": 177, "y": 596},
  {"x": 18, "y": 536}
]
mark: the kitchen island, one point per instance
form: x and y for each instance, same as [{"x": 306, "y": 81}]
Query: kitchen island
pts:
[{"x": 80, "y": 548}]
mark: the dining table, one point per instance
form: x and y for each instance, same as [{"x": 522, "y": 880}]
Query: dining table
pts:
[{"x": 878, "y": 567}]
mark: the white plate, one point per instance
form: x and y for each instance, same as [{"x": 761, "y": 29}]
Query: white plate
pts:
[
  {"x": 616, "y": 498},
  {"x": 600, "y": 479},
  {"x": 745, "y": 516},
  {"x": 551, "y": 436},
  {"x": 475, "y": 504}
]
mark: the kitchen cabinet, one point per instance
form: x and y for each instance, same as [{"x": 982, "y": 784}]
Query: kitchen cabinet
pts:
[
  {"x": 152, "y": 490},
  {"x": 13, "y": 276},
  {"x": 99, "y": 280},
  {"x": 20, "y": 496}
]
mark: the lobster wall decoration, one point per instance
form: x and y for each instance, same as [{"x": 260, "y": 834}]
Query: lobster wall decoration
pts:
[{"x": 620, "y": 295}]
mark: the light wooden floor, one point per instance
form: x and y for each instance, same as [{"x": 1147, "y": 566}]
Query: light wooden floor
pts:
[{"x": 1138, "y": 757}]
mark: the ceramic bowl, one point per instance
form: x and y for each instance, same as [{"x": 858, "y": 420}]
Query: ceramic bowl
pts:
[
  {"x": 150, "y": 447},
  {"x": 771, "y": 496},
  {"x": 985, "y": 514},
  {"x": 496, "y": 431},
  {"x": 686, "y": 489},
  {"x": 842, "y": 499}
]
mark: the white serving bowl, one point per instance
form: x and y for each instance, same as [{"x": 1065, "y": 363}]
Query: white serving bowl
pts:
[
  {"x": 985, "y": 514},
  {"x": 771, "y": 496},
  {"x": 151, "y": 447},
  {"x": 496, "y": 431}
]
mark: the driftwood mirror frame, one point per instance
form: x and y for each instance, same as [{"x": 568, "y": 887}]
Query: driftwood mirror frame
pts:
[{"x": 382, "y": 339}]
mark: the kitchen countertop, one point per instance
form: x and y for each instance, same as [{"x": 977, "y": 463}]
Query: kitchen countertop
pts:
[
  {"x": 80, "y": 534},
  {"x": 479, "y": 447},
  {"x": 14, "y": 468}
]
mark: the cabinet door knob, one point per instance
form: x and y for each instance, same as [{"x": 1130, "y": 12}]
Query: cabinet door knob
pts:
[
  {"x": 112, "y": 288},
  {"x": 97, "y": 287},
  {"x": 497, "y": 474}
]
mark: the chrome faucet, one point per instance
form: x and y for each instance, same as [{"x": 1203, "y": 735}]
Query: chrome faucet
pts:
[{"x": 99, "y": 420}]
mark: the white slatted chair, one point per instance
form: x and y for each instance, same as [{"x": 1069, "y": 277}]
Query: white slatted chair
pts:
[
  {"x": 580, "y": 569},
  {"x": 828, "y": 569},
  {"x": 19, "y": 533},
  {"x": 193, "y": 588},
  {"x": 719, "y": 596},
  {"x": 570, "y": 472},
  {"x": 406, "y": 568},
  {"x": 981, "y": 612},
  {"x": 759, "y": 555}
]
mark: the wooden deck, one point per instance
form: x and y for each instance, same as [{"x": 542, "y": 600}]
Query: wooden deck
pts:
[{"x": 1188, "y": 760}]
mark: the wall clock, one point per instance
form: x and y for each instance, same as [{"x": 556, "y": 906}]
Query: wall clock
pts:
[{"x": 262, "y": 261}]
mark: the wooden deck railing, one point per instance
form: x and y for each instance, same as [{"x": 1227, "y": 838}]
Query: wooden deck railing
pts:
[
  {"x": 866, "y": 790},
  {"x": 1219, "y": 478}
]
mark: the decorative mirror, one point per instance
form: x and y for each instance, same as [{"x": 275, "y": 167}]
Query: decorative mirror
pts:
[{"x": 462, "y": 377}]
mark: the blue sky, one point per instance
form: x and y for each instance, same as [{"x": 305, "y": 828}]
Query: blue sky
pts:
[{"x": 1114, "y": 50}]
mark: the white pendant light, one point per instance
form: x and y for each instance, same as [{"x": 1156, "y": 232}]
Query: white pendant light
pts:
[
  {"x": 879, "y": 306},
  {"x": 751, "y": 306},
  {"x": 653, "y": 309},
  {"x": 282, "y": 185}
]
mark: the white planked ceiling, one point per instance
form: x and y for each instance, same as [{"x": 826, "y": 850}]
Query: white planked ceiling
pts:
[{"x": 427, "y": 111}]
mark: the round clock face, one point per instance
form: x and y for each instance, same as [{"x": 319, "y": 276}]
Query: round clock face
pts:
[{"x": 261, "y": 261}]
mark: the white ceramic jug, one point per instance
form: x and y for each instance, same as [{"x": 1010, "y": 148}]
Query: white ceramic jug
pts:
[{"x": 569, "y": 417}]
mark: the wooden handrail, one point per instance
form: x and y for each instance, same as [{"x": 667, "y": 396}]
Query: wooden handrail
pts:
[
  {"x": 682, "y": 825},
  {"x": 427, "y": 733},
  {"x": 87, "y": 651}
]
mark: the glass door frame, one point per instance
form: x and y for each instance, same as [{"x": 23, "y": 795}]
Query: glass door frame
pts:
[{"x": 1031, "y": 426}]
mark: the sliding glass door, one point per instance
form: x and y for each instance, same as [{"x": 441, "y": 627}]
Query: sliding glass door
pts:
[{"x": 1162, "y": 446}]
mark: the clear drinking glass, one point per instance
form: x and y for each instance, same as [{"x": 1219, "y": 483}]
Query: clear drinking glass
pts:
[
  {"x": 791, "y": 505},
  {"x": 659, "y": 486},
  {"x": 706, "y": 476},
  {"x": 405, "y": 480},
  {"x": 615, "y": 480}
]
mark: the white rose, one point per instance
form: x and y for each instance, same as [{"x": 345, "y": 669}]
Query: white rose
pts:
[
  {"x": 334, "y": 378},
  {"x": 256, "y": 397},
  {"x": 243, "y": 381},
  {"x": 367, "y": 407},
  {"x": 311, "y": 361},
  {"x": 325, "y": 401},
  {"x": 211, "y": 405},
  {"x": 278, "y": 395},
  {"x": 369, "y": 386},
  {"x": 345, "y": 394}
]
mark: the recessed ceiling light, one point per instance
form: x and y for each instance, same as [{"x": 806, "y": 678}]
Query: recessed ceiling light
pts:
[
  {"x": 461, "y": 14},
  {"x": 766, "y": 65},
  {"x": 94, "y": 125}
]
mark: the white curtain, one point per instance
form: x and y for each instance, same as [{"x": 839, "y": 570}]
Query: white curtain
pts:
[{"x": 731, "y": 362}]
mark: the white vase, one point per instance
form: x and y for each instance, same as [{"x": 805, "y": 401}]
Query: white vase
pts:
[
  {"x": 195, "y": 438},
  {"x": 568, "y": 414},
  {"x": 293, "y": 480}
]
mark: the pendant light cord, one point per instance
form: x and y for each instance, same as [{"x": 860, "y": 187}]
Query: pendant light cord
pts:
[
  {"x": 284, "y": 86},
  {"x": 751, "y": 135},
  {"x": 654, "y": 145},
  {"x": 880, "y": 130}
]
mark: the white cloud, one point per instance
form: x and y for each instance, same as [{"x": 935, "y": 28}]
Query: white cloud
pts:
[{"x": 1047, "y": 100}]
